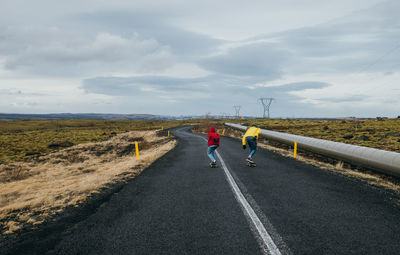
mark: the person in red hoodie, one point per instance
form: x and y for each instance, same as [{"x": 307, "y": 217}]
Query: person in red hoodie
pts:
[{"x": 213, "y": 143}]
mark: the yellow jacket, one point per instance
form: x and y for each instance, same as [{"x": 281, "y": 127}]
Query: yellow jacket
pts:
[{"x": 252, "y": 131}]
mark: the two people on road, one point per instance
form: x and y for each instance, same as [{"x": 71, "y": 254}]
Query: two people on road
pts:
[{"x": 250, "y": 138}]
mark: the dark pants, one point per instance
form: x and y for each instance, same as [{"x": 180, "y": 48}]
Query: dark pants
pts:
[{"x": 252, "y": 142}]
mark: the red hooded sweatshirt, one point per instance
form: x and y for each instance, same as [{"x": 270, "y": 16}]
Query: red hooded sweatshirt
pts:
[{"x": 213, "y": 137}]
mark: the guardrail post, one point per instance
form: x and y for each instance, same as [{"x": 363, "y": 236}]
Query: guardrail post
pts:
[
  {"x": 168, "y": 133},
  {"x": 295, "y": 149},
  {"x": 137, "y": 149},
  {"x": 223, "y": 132}
]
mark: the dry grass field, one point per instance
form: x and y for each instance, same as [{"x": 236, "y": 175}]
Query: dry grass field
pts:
[
  {"x": 49, "y": 165},
  {"x": 24, "y": 140},
  {"x": 32, "y": 192}
]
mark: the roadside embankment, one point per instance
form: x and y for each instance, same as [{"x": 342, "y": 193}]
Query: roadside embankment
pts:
[{"x": 32, "y": 193}]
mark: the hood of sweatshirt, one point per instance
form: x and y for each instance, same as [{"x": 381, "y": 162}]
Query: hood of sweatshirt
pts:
[{"x": 212, "y": 130}]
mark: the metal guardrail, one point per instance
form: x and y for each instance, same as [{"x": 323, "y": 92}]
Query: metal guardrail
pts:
[{"x": 380, "y": 160}]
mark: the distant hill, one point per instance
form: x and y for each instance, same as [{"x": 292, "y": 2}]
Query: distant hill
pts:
[
  {"x": 111, "y": 116},
  {"x": 102, "y": 116}
]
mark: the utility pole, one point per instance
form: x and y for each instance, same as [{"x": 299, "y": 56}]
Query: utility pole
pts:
[
  {"x": 237, "y": 109},
  {"x": 266, "y": 103}
]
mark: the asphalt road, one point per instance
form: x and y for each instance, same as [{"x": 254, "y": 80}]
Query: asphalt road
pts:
[{"x": 180, "y": 205}]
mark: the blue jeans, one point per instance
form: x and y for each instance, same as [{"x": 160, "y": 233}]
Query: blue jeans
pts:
[
  {"x": 210, "y": 152},
  {"x": 252, "y": 142}
]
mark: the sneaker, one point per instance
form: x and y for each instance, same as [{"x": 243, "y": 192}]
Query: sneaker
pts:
[{"x": 250, "y": 160}]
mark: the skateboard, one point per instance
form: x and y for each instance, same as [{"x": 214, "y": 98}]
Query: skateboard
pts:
[
  {"x": 213, "y": 165},
  {"x": 251, "y": 164}
]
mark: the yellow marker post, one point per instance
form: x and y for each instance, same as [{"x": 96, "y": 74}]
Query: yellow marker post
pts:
[
  {"x": 223, "y": 132},
  {"x": 295, "y": 149},
  {"x": 168, "y": 133},
  {"x": 137, "y": 149}
]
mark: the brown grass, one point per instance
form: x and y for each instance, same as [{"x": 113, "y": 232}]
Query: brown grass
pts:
[{"x": 32, "y": 192}]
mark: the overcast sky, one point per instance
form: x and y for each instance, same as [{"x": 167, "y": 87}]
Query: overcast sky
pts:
[{"x": 316, "y": 58}]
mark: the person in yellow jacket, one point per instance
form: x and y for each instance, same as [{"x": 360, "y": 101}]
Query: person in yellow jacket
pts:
[{"x": 251, "y": 137}]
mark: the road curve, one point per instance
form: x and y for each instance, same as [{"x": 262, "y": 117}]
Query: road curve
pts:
[{"x": 181, "y": 206}]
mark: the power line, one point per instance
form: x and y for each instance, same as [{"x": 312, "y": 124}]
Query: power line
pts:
[
  {"x": 397, "y": 46},
  {"x": 352, "y": 76},
  {"x": 266, "y": 103},
  {"x": 368, "y": 66},
  {"x": 237, "y": 109}
]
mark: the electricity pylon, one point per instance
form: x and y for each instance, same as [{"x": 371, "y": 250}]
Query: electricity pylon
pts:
[
  {"x": 237, "y": 109},
  {"x": 266, "y": 103}
]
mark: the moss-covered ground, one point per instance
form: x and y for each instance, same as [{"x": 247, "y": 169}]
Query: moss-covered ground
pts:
[
  {"x": 381, "y": 134},
  {"x": 26, "y": 139}
]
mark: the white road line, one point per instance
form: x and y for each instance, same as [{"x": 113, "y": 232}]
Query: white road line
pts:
[
  {"x": 262, "y": 232},
  {"x": 272, "y": 248}
]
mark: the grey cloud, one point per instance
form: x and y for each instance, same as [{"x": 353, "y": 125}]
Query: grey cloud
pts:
[
  {"x": 259, "y": 59},
  {"x": 135, "y": 42},
  {"x": 343, "y": 99},
  {"x": 15, "y": 92},
  {"x": 226, "y": 90},
  {"x": 217, "y": 84},
  {"x": 298, "y": 86},
  {"x": 128, "y": 86},
  {"x": 57, "y": 53},
  {"x": 82, "y": 44},
  {"x": 10, "y": 92},
  {"x": 150, "y": 25},
  {"x": 363, "y": 41}
]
